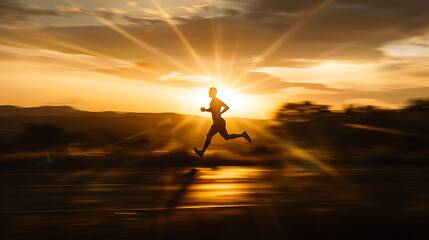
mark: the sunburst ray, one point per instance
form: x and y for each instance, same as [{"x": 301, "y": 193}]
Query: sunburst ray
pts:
[
  {"x": 216, "y": 45},
  {"x": 143, "y": 44},
  {"x": 182, "y": 38},
  {"x": 281, "y": 40}
]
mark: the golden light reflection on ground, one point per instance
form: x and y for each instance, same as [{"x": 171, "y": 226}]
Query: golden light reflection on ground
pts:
[{"x": 227, "y": 185}]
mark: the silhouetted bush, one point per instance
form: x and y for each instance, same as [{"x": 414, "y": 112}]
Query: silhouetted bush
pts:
[
  {"x": 362, "y": 130},
  {"x": 418, "y": 105}
]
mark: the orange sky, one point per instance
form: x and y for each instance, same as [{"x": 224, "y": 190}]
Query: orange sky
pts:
[{"x": 162, "y": 56}]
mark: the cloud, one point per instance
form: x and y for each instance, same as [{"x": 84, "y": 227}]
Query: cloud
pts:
[
  {"x": 189, "y": 9},
  {"x": 132, "y": 3},
  {"x": 406, "y": 50},
  {"x": 143, "y": 20},
  {"x": 12, "y": 11},
  {"x": 336, "y": 75},
  {"x": 34, "y": 6},
  {"x": 149, "y": 11},
  {"x": 401, "y": 8},
  {"x": 203, "y": 6},
  {"x": 344, "y": 30},
  {"x": 50, "y": 57},
  {"x": 387, "y": 74},
  {"x": 176, "y": 80},
  {"x": 116, "y": 11},
  {"x": 107, "y": 12},
  {"x": 211, "y": 9},
  {"x": 301, "y": 90},
  {"x": 182, "y": 77},
  {"x": 70, "y": 9},
  {"x": 415, "y": 47},
  {"x": 100, "y": 11},
  {"x": 231, "y": 11},
  {"x": 196, "y": 8}
]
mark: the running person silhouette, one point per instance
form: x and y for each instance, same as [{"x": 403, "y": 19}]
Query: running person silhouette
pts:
[{"x": 218, "y": 125}]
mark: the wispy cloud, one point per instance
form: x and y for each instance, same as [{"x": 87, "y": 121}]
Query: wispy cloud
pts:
[
  {"x": 12, "y": 11},
  {"x": 174, "y": 76},
  {"x": 149, "y": 11},
  {"x": 74, "y": 61},
  {"x": 132, "y": 3},
  {"x": 70, "y": 9},
  {"x": 302, "y": 90}
]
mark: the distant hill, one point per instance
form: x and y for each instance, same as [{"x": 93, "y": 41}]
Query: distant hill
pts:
[
  {"x": 7, "y": 110},
  {"x": 103, "y": 128}
]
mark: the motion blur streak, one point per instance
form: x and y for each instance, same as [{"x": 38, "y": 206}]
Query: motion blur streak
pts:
[{"x": 379, "y": 129}]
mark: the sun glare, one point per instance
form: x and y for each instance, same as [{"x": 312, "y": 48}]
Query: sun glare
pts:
[
  {"x": 234, "y": 100},
  {"x": 239, "y": 103}
]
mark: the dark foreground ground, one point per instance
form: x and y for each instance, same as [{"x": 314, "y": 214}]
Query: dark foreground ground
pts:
[{"x": 223, "y": 202}]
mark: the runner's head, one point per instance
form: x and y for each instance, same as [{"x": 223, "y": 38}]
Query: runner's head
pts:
[{"x": 212, "y": 92}]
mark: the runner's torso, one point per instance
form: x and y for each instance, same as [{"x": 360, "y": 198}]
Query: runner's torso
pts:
[{"x": 215, "y": 106}]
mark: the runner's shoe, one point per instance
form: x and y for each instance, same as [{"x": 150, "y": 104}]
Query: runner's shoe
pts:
[{"x": 246, "y": 136}]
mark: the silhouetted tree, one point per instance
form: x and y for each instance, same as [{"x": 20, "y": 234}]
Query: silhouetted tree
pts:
[
  {"x": 418, "y": 105},
  {"x": 301, "y": 112}
]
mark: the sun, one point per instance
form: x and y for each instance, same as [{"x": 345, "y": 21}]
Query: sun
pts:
[
  {"x": 238, "y": 103},
  {"x": 231, "y": 98}
]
